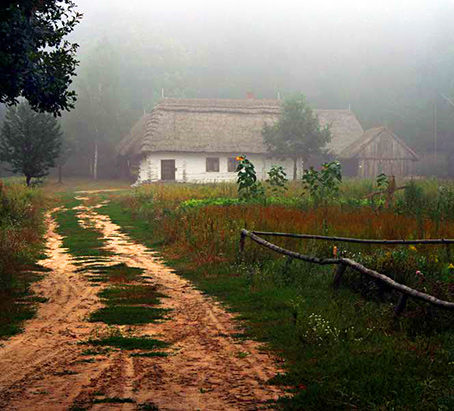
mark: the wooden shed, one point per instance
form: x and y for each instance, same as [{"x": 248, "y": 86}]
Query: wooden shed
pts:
[{"x": 377, "y": 151}]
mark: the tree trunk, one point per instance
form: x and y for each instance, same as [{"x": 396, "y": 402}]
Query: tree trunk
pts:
[
  {"x": 95, "y": 163},
  {"x": 60, "y": 174},
  {"x": 295, "y": 168}
]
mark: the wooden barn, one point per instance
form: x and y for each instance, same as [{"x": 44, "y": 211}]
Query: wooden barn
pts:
[{"x": 377, "y": 151}]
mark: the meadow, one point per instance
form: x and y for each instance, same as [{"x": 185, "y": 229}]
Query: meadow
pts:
[{"x": 342, "y": 349}]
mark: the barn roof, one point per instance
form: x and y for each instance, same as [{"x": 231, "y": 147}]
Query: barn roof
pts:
[
  {"x": 356, "y": 147},
  {"x": 223, "y": 126}
]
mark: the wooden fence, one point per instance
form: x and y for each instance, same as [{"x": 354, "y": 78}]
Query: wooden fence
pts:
[{"x": 343, "y": 263}]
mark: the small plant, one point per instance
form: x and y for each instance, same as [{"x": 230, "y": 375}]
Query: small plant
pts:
[
  {"x": 248, "y": 186},
  {"x": 382, "y": 181},
  {"x": 277, "y": 180},
  {"x": 323, "y": 184}
]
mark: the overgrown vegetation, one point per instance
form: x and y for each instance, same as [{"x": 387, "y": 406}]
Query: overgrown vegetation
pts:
[
  {"x": 342, "y": 349},
  {"x": 21, "y": 245}
]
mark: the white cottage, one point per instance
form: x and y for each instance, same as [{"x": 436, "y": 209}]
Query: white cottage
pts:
[{"x": 197, "y": 140}]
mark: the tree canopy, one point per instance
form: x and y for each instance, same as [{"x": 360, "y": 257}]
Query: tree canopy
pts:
[
  {"x": 30, "y": 142},
  {"x": 36, "y": 61},
  {"x": 297, "y": 133}
]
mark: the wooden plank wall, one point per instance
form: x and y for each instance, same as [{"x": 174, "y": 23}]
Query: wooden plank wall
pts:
[{"x": 385, "y": 155}]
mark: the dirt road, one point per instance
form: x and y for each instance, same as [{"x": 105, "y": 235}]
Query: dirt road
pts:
[{"x": 45, "y": 368}]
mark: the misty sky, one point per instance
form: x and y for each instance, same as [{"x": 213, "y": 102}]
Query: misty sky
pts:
[{"x": 382, "y": 58}]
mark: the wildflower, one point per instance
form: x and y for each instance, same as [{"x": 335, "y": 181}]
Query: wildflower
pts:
[
  {"x": 412, "y": 248},
  {"x": 240, "y": 158},
  {"x": 335, "y": 251},
  {"x": 451, "y": 266},
  {"x": 420, "y": 275}
]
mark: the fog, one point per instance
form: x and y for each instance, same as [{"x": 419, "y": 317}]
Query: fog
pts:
[{"x": 390, "y": 62}]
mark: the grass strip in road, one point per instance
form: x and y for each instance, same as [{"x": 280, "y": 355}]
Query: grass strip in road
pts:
[
  {"x": 127, "y": 294},
  {"x": 118, "y": 273},
  {"x": 128, "y": 315},
  {"x": 128, "y": 343},
  {"x": 113, "y": 400},
  {"x": 80, "y": 241},
  {"x": 150, "y": 354}
]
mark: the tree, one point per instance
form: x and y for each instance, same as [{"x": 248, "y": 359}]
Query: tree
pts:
[
  {"x": 30, "y": 142},
  {"x": 36, "y": 62},
  {"x": 297, "y": 133}
]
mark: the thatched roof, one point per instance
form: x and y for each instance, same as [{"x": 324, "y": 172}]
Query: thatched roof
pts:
[
  {"x": 222, "y": 126},
  {"x": 357, "y": 147}
]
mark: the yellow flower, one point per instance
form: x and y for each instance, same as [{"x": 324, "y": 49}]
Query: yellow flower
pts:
[
  {"x": 240, "y": 158},
  {"x": 451, "y": 266},
  {"x": 412, "y": 248}
]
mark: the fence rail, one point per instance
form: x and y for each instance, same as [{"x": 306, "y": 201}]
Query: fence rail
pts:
[
  {"x": 343, "y": 263},
  {"x": 355, "y": 240}
]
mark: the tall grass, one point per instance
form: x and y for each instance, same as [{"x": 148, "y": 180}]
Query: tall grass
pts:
[{"x": 21, "y": 229}]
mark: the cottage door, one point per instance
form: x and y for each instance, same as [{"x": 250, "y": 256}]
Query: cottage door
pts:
[{"x": 168, "y": 169}]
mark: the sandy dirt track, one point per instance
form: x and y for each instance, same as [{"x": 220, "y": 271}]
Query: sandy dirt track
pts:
[{"x": 207, "y": 369}]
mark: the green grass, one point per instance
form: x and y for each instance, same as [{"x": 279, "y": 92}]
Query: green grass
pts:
[
  {"x": 18, "y": 304},
  {"x": 127, "y": 294},
  {"x": 128, "y": 315},
  {"x": 128, "y": 343},
  {"x": 118, "y": 273},
  {"x": 342, "y": 349},
  {"x": 80, "y": 242}
]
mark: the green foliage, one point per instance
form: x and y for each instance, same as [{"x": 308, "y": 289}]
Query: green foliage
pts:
[
  {"x": 277, "y": 180},
  {"x": 382, "y": 181},
  {"x": 36, "y": 61},
  {"x": 30, "y": 142},
  {"x": 248, "y": 186},
  {"x": 297, "y": 133},
  {"x": 323, "y": 185}
]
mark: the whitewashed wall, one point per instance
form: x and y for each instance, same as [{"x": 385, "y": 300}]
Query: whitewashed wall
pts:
[{"x": 191, "y": 167}]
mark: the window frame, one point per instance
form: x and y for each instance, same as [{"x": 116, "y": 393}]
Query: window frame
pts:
[{"x": 212, "y": 161}]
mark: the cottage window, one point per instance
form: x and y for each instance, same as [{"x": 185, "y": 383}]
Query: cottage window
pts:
[
  {"x": 232, "y": 164},
  {"x": 213, "y": 164}
]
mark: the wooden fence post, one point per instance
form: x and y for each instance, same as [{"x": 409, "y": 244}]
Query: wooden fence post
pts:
[
  {"x": 242, "y": 243},
  {"x": 400, "y": 307},
  {"x": 338, "y": 276}
]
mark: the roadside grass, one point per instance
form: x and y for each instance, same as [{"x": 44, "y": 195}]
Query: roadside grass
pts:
[
  {"x": 21, "y": 247},
  {"x": 341, "y": 349}
]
